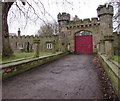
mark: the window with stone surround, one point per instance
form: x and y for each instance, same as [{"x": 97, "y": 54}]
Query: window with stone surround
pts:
[{"x": 49, "y": 45}]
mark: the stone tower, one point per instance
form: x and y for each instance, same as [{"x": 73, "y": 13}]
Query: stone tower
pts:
[
  {"x": 63, "y": 19},
  {"x": 105, "y": 14}
]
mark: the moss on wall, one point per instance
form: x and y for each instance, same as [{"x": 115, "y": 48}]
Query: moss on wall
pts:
[{"x": 14, "y": 69}]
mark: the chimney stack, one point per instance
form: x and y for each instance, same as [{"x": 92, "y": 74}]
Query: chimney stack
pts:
[{"x": 19, "y": 32}]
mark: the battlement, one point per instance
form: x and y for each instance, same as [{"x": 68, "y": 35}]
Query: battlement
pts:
[
  {"x": 105, "y": 9},
  {"x": 32, "y": 36},
  {"x": 94, "y": 20},
  {"x": 84, "y": 23},
  {"x": 23, "y": 36},
  {"x": 63, "y": 17},
  {"x": 86, "y": 20}
]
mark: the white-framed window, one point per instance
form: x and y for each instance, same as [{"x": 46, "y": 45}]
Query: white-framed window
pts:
[{"x": 49, "y": 45}]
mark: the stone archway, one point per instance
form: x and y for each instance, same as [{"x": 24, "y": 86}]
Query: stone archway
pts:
[
  {"x": 94, "y": 29},
  {"x": 83, "y": 42},
  {"x": 100, "y": 27},
  {"x": 71, "y": 27}
]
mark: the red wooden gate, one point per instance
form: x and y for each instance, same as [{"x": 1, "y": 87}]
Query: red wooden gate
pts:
[{"x": 83, "y": 44}]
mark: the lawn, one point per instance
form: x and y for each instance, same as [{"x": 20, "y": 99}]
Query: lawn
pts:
[
  {"x": 22, "y": 55},
  {"x": 117, "y": 58}
]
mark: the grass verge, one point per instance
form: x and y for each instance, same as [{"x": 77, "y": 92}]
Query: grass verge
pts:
[
  {"x": 22, "y": 55},
  {"x": 117, "y": 58}
]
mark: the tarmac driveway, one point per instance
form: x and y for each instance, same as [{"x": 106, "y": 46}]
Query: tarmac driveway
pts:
[{"x": 70, "y": 77}]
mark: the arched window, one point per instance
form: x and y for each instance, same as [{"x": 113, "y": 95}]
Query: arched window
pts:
[{"x": 83, "y": 33}]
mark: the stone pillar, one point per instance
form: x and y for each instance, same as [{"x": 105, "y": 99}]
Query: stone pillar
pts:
[
  {"x": 102, "y": 47},
  {"x": 36, "y": 48},
  {"x": 109, "y": 46},
  {"x": 98, "y": 47},
  {"x": 68, "y": 47}
]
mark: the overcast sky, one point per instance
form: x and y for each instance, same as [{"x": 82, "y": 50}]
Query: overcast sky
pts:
[{"x": 81, "y": 8}]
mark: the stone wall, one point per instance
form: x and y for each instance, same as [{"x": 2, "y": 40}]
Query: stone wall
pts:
[
  {"x": 100, "y": 27},
  {"x": 16, "y": 67},
  {"x": 91, "y": 25},
  {"x": 26, "y": 43},
  {"x": 70, "y": 27},
  {"x": 113, "y": 69}
]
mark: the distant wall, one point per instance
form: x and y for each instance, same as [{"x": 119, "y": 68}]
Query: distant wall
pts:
[{"x": 26, "y": 43}]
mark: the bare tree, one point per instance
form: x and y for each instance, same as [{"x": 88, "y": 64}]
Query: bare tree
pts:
[
  {"x": 50, "y": 28},
  {"x": 28, "y": 14},
  {"x": 116, "y": 18},
  {"x": 6, "y": 50},
  {"x": 46, "y": 29}
]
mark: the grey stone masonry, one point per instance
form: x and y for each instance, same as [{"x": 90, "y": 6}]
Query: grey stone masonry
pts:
[
  {"x": 105, "y": 14},
  {"x": 109, "y": 46},
  {"x": 36, "y": 47},
  {"x": 102, "y": 47}
]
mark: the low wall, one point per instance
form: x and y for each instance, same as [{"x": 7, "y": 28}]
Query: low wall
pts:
[
  {"x": 15, "y": 68},
  {"x": 113, "y": 70}
]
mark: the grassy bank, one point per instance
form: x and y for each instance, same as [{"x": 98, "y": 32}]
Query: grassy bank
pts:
[
  {"x": 22, "y": 55},
  {"x": 117, "y": 58}
]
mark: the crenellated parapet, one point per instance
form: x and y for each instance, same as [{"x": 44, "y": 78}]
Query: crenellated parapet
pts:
[
  {"x": 87, "y": 20},
  {"x": 105, "y": 14},
  {"x": 33, "y": 36},
  {"x": 22, "y": 37},
  {"x": 105, "y": 10},
  {"x": 84, "y": 23},
  {"x": 94, "y": 20},
  {"x": 63, "y": 17}
]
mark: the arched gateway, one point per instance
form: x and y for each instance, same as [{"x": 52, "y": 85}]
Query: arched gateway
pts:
[
  {"x": 85, "y": 35},
  {"x": 83, "y": 42}
]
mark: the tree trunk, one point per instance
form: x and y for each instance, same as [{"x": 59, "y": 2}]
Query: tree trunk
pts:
[{"x": 6, "y": 50}]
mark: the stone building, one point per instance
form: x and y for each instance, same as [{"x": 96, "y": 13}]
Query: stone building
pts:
[
  {"x": 78, "y": 35},
  {"x": 85, "y": 35},
  {"x": 26, "y": 43}
]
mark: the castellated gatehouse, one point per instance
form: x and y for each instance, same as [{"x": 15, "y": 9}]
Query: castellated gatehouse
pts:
[
  {"x": 77, "y": 35},
  {"x": 77, "y": 60}
]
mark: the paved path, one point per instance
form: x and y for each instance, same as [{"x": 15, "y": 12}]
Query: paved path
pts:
[{"x": 71, "y": 77}]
